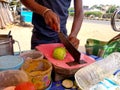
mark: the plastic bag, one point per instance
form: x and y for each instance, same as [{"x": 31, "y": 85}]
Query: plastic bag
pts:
[
  {"x": 106, "y": 84},
  {"x": 103, "y": 48},
  {"x": 111, "y": 47}
]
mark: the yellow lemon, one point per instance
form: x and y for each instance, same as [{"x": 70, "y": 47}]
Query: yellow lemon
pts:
[{"x": 59, "y": 53}]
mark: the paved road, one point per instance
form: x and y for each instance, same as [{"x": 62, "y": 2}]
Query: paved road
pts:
[{"x": 97, "y": 22}]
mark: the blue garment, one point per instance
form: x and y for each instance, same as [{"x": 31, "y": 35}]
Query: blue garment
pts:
[{"x": 44, "y": 32}]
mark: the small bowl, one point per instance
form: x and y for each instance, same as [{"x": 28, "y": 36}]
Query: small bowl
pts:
[
  {"x": 32, "y": 54},
  {"x": 10, "y": 62}
]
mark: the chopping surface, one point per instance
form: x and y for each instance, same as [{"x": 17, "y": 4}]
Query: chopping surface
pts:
[{"x": 47, "y": 50}]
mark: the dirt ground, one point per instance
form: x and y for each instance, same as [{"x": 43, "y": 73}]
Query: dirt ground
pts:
[{"x": 22, "y": 33}]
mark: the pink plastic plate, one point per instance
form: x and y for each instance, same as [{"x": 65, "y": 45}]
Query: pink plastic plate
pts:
[{"x": 47, "y": 50}]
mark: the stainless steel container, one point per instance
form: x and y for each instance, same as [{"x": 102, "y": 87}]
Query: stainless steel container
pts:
[{"x": 6, "y": 45}]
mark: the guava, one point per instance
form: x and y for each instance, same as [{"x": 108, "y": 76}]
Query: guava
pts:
[{"x": 59, "y": 53}]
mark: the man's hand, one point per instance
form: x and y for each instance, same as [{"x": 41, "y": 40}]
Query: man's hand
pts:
[
  {"x": 52, "y": 20},
  {"x": 74, "y": 41}
]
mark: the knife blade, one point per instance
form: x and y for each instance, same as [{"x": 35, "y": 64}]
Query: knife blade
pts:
[{"x": 71, "y": 49}]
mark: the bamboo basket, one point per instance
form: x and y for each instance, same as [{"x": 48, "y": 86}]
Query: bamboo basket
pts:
[{"x": 97, "y": 71}]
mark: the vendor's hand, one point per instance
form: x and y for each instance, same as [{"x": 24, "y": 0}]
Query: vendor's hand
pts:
[
  {"x": 52, "y": 20},
  {"x": 74, "y": 41}
]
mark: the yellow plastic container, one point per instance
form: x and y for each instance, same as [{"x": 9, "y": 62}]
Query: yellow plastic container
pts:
[{"x": 39, "y": 72}]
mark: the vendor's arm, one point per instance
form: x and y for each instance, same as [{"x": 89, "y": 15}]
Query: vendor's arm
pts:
[
  {"x": 77, "y": 22},
  {"x": 50, "y": 17}
]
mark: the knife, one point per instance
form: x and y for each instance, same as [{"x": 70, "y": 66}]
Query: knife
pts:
[{"x": 71, "y": 49}]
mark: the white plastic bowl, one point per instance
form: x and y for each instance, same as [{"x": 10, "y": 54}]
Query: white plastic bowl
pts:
[{"x": 10, "y": 62}]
